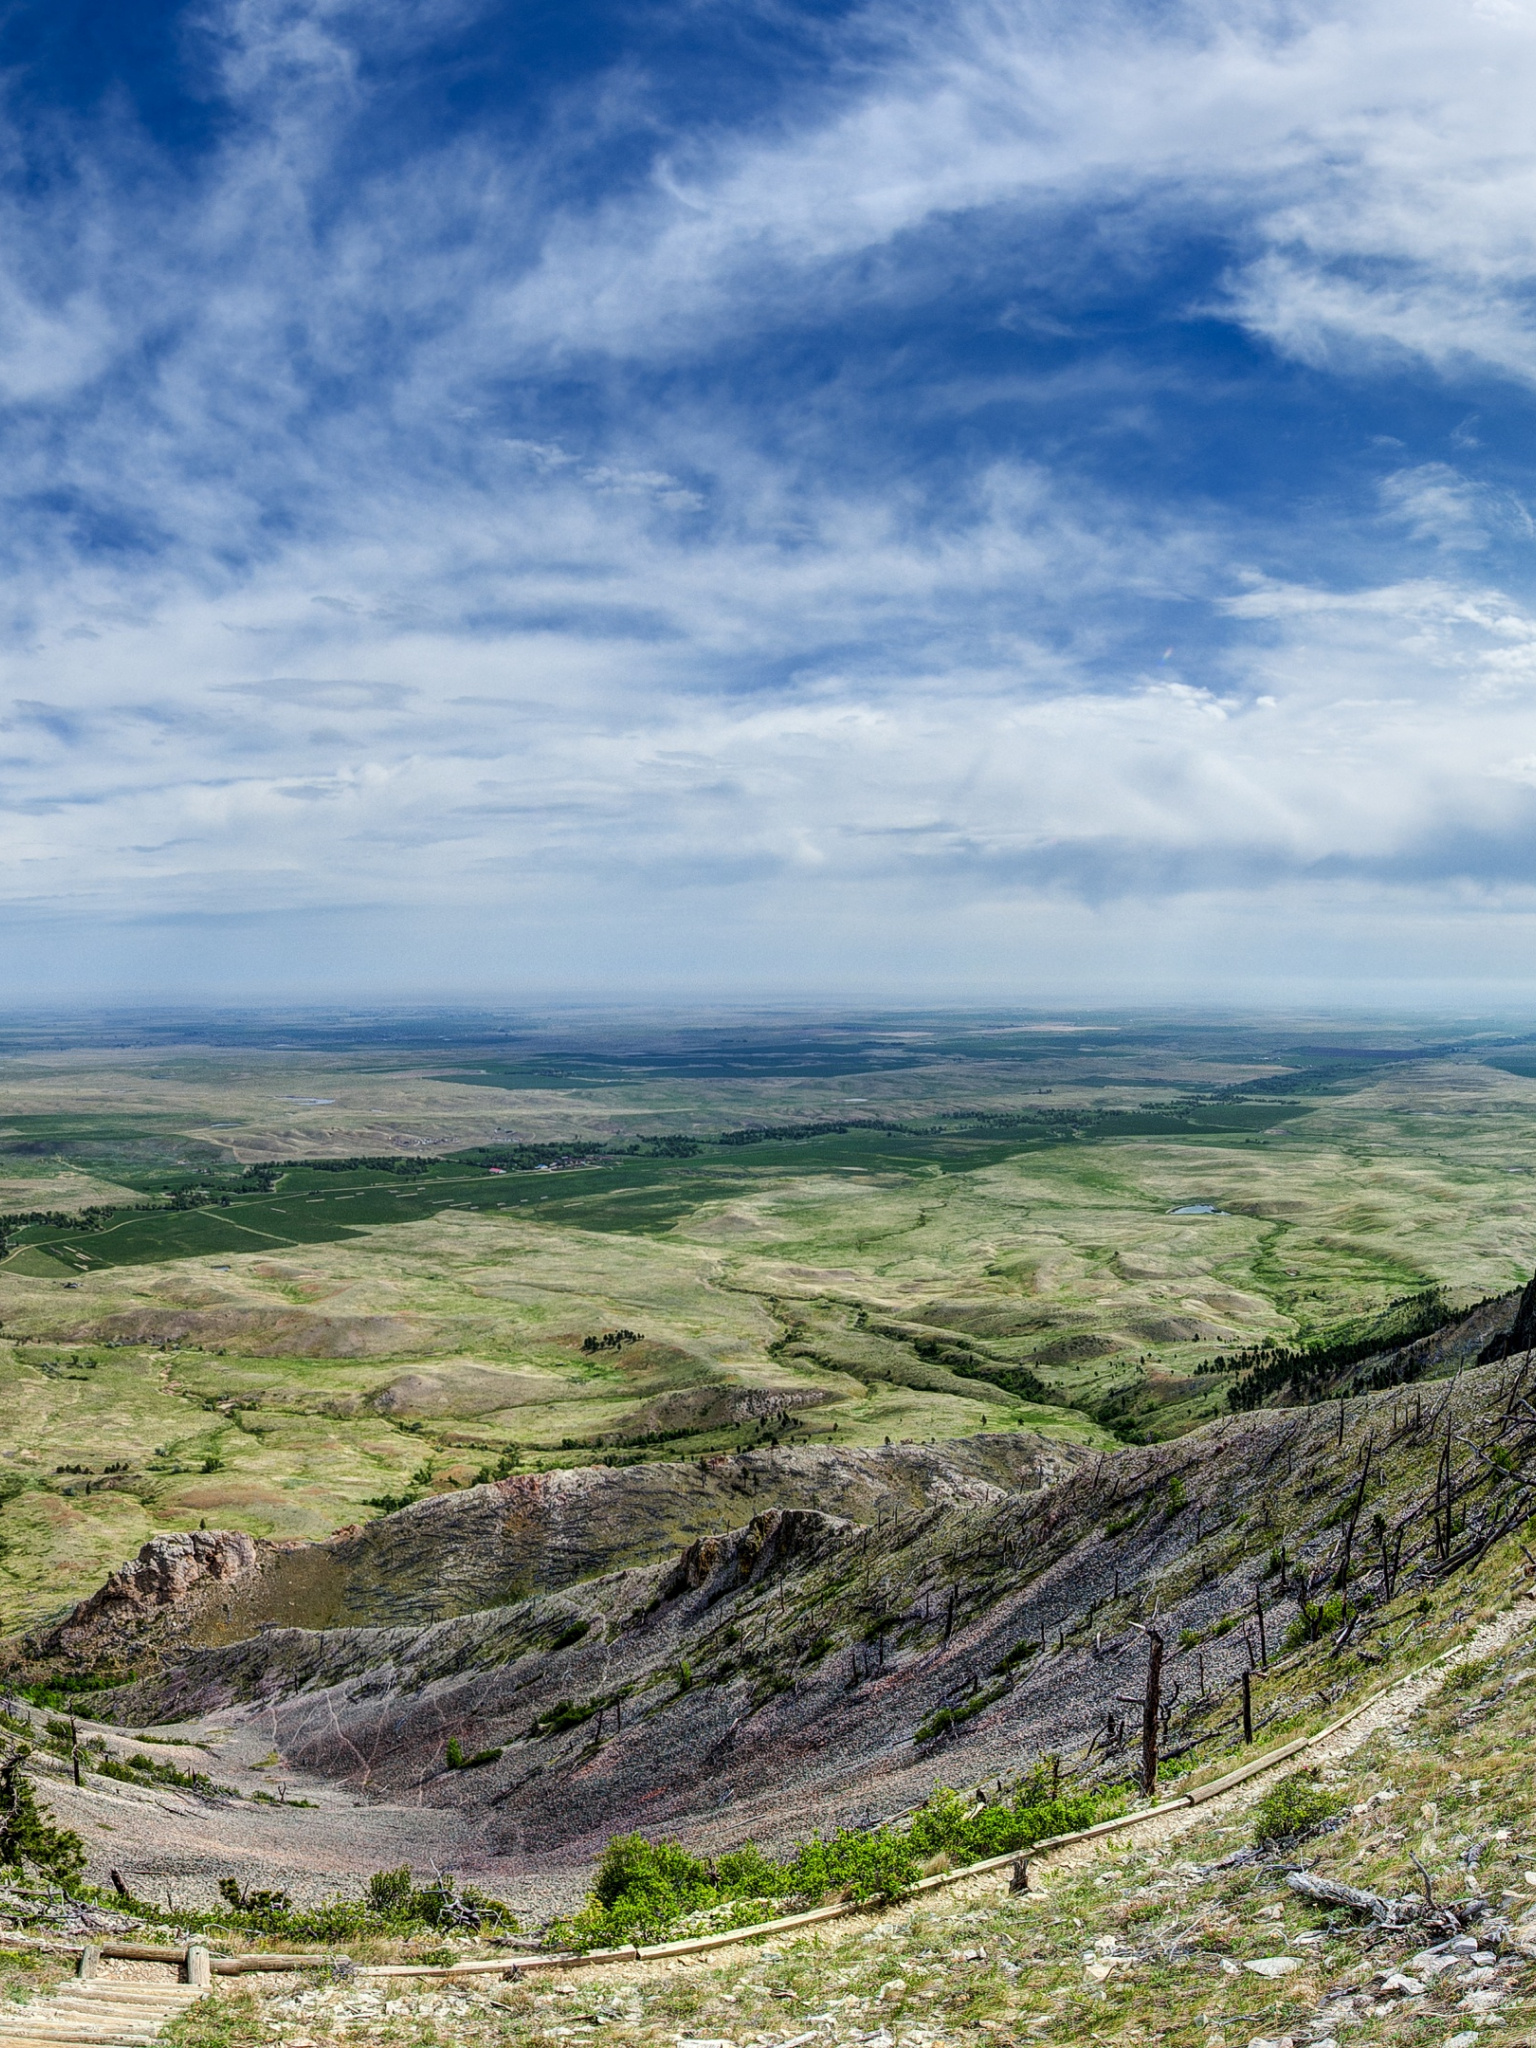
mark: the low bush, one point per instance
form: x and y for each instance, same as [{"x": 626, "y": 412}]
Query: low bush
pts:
[
  {"x": 644, "y": 1889},
  {"x": 641, "y": 1890},
  {"x": 138, "y": 1770},
  {"x": 1019, "y": 1654},
  {"x": 1040, "y": 1807},
  {"x": 946, "y": 1718},
  {"x": 1297, "y": 1806},
  {"x": 1463, "y": 1677},
  {"x": 393, "y": 1904},
  {"x": 562, "y": 1715},
  {"x": 458, "y": 1761},
  {"x": 858, "y": 1863},
  {"x": 63, "y": 1690}
]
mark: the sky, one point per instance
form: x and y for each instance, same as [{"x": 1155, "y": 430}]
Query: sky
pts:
[{"x": 1029, "y": 502}]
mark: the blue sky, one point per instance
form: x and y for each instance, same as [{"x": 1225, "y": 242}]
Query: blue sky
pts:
[{"x": 1023, "y": 502}]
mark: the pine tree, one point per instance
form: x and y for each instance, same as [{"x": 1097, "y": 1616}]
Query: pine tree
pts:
[{"x": 26, "y": 1837}]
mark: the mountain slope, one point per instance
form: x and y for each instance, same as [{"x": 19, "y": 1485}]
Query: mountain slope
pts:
[{"x": 777, "y": 1676}]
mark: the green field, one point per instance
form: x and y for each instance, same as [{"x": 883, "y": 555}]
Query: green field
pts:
[
  {"x": 999, "y": 1220},
  {"x": 313, "y": 1206}
]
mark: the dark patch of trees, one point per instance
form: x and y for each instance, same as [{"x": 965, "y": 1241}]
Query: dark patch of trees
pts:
[
  {"x": 1017, "y": 1380},
  {"x": 1312, "y": 1373},
  {"x": 523, "y": 1158},
  {"x": 760, "y": 1134},
  {"x": 391, "y": 1162}
]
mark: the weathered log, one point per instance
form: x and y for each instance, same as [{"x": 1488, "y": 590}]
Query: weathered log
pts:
[{"x": 1385, "y": 1912}]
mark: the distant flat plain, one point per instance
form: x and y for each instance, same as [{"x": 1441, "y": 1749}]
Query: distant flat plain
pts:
[{"x": 1006, "y": 1194}]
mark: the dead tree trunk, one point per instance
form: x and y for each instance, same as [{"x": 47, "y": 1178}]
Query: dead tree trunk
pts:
[
  {"x": 1341, "y": 1582},
  {"x": 1443, "y": 1494},
  {"x": 1151, "y": 1711}
]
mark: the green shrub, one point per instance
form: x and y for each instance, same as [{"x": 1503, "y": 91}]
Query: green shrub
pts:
[
  {"x": 566, "y": 1714},
  {"x": 1315, "y": 1620},
  {"x": 64, "y": 1689},
  {"x": 389, "y": 1892},
  {"x": 644, "y": 1888},
  {"x": 504, "y": 1467},
  {"x": 1019, "y": 1654},
  {"x": 458, "y": 1761},
  {"x": 1465, "y": 1676},
  {"x": 746, "y": 1873},
  {"x": 1039, "y": 1808},
  {"x": 640, "y": 1890},
  {"x": 859, "y": 1862},
  {"x": 1297, "y": 1806},
  {"x": 945, "y": 1718},
  {"x": 392, "y": 1905},
  {"x": 137, "y": 1770}
]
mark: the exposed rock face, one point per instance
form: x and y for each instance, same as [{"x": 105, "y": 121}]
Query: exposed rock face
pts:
[
  {"x": 768, "y": 1540},
  {"x": 536, "y": 1532},
  {"x": 774, "y": 1676},
  {"x": 170, "y": 1577},
  {"x": 539, "y": 1531}
]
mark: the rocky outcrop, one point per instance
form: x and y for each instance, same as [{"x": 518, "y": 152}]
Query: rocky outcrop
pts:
[
  {"x": 170, "y": 1579},
  {"x": 768, "y": 1540},
  {"x": 805, "y": 1670},
  {"x": 800, "y": 1669},
  {"x": 538, "y": 1532}
]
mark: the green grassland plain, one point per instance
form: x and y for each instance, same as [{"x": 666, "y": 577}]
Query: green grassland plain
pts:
[{"x": 848, "y": 1287}]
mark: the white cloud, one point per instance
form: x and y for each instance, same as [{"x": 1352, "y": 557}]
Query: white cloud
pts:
[{"x": 351, "y": 640}]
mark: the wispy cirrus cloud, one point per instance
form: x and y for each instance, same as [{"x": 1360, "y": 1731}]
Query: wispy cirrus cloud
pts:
[{"x": 1027, "y": 467}]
